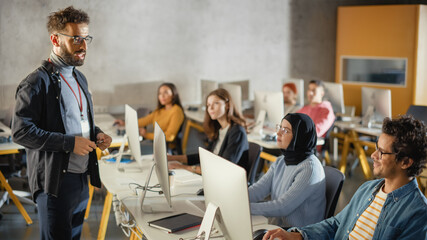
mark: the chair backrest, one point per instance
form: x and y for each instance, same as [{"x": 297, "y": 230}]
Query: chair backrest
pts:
[
  {"x": 334, "y": 181},
  {"x": 254, "y": 162},
  {"x": 175, "y": 147},
  {"x": 418, "y": 112}
]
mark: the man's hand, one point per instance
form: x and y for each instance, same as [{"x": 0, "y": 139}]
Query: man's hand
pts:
[
  {"x": 83, "y": 146},
  {"x": 103, "y": 141},
  {"x": 281, "y": 234}
]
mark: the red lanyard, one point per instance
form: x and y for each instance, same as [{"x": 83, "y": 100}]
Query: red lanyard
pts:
[{"x": 80, "y": 94}]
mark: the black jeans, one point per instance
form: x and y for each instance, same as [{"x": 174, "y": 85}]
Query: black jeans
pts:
[{"x": 62, "y": 217}]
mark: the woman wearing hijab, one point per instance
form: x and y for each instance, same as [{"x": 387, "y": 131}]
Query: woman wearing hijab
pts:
[{"x": 296, "y": 181}]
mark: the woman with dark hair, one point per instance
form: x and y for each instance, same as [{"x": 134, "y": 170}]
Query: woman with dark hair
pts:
[
  {"x": 169, "y": 114},
  {"x": 226, "y": 131},
  {"x": 296, "y": 181}
]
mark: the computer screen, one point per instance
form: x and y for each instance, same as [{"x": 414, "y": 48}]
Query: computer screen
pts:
[
  {"x": 272, "y": 103},
  {"x": 160, "y": 165},
  {"x": 225, "y": 186},
  {"x": 161, "y": 161},
  {"x": 299, "y": 83},
  {"x": 132, "y": 132},
  {"x": 335, "y": 95},
  {"x": 207, "y": 86},
  {"x": 235, "y": 92},
  {"x": 379, "y": 101},
  {"x": 244, "y": 84}
]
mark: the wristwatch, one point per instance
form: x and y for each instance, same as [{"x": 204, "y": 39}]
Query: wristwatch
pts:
[{"x": 193, "y": 168}]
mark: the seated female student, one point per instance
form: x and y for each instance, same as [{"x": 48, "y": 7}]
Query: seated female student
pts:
[
  {"x": 169, "y": 115},
  {"x": 296, "y": 181},
  {"x": 226, "y": 131}
]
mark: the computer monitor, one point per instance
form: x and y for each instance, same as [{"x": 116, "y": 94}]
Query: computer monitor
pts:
[
  {"x": 235, "y": 92},
  {"x": 376, "y": 104},
  {"x": 207, "y": 86},
  {"x": 132, "y": 133},
  {"x": 160, "y": 164},
  {"x": 299, "y": 83},
  {"x": 244, "y": 84},
  {"x": 335, "y": 95},
  {"x": 272, "y": 103},
  {"x": 225, "y": 189}
]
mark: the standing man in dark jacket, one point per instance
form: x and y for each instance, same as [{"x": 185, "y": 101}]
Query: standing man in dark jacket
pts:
[{"x": 54, "y": 121}]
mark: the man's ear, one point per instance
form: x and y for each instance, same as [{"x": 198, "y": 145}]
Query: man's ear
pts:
[
  {"x": 406, "y": 163},
  {"x": 54, "y": 39}
]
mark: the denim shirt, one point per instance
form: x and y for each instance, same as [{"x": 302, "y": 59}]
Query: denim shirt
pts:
[{"x": 404, "y": 215}]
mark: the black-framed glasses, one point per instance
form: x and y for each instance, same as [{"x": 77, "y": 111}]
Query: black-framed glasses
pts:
[
  {"x": 381, "y": 152},
  {"x": 282, "y": 130},
  {"x": 77, "y": 40}
]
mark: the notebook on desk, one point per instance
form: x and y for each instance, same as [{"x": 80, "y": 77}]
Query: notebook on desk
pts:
[{"x": 177, "y": 222}]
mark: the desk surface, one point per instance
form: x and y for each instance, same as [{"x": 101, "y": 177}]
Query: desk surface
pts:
[
  {"x": 358, "y": 128},
  {"x": 185, "y": 185}
]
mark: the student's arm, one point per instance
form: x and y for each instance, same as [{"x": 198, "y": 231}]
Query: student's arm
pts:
[
  {"x": 143, "y": 122},
  {"x": 288, "y": 201},
  {"x": 324, "y": 120},
  {"x": 237, "y": 140},
  {"x": 262, "y": 188},
  {"x": 177, "y": 118}
]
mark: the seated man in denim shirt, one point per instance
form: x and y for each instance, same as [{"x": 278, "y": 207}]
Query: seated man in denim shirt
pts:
[{"x": 388, "y": 208}]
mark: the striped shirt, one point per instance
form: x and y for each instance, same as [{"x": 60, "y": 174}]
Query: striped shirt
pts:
[{"x": 365, "y": 225}]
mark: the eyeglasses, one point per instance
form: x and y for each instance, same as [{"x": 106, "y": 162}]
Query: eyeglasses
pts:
[
  {"x": 281, "y": 130},
  {"x": 381, "y": 152},
  {"x": 77, "y": 40}
]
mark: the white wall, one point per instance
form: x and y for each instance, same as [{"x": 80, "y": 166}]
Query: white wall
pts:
[{"x": 168, "y": 40}]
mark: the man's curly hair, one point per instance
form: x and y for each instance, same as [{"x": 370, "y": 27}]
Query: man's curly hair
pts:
[
  {"x": 410, "y": 141},
  {"x": 57, "y": 20}
]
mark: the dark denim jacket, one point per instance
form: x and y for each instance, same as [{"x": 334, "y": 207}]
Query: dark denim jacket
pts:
[
  {"x": 404, "y": 215},
  {"x": 38, "y": 125}
]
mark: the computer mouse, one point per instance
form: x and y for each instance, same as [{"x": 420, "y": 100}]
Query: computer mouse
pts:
[
  {"x": 200, "y": 192},
  {"x": 258, "y": 234}
]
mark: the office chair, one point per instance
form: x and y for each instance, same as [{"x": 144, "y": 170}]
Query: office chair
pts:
[
  {"x": 254, "y": 162},
  {"x": 418, "y": 112},
  {"x": 175, "y": 147},
  {"x": 334, "y": 181}
]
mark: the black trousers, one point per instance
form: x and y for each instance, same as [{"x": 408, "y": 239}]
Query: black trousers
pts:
[{"x": 62, "y": 217}]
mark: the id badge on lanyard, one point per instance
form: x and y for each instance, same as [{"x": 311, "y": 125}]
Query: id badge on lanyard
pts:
[{"x": 85, "y": 128}]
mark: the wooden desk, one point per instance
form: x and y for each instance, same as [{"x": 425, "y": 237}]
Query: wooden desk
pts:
[
  {"x": 13, "y": 148},
  {"x": 350, "y": 135}
]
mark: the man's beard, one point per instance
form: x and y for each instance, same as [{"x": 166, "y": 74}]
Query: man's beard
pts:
[{"x": 69, "y": 57}]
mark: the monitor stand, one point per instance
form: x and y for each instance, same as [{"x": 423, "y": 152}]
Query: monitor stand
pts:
[
  {"x": 152, "y": 207},
  {"x": 205, "y": 229}
]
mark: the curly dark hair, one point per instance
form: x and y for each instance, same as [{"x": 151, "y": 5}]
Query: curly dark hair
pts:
[
  {"x": 56, "y": 21},
  {"x": 410, "y": 141}
]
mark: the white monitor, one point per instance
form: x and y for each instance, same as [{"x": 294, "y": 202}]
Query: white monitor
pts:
[
  {"x": 225, "y": 189},
  {"x": 132, "y": 132},
  {"x": 335, "y": 95},
  {"x": 207, "y": 86},
  {"x": 244, "y": 84},
  {"x": 272, "y": 104},
  {"x": 376, "y": 102},
  {"x": 299, "y": 83},
  {"x": 235, "y": 92},
  {"x": 162, "y": 172}
]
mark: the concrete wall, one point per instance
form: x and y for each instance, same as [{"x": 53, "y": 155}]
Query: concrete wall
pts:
[{"x": 139, "y": 41}]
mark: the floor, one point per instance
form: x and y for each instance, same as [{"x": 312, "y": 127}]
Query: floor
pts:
[{"x": 13, "y": 225}]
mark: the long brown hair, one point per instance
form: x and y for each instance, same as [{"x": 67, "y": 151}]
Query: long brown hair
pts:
[
  {"x": 233, "y": 116},
  {"x": 175, "y": 96}
]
